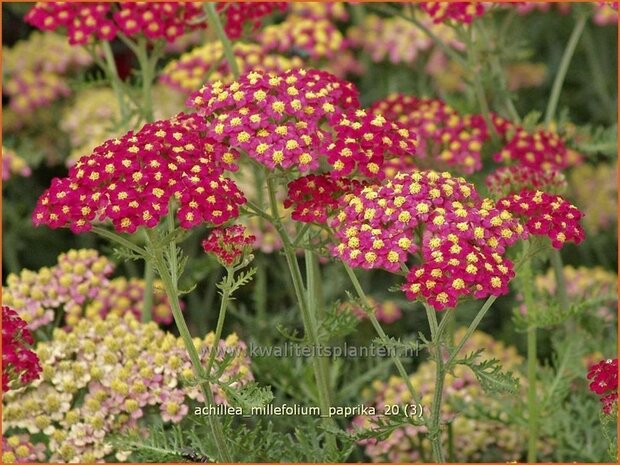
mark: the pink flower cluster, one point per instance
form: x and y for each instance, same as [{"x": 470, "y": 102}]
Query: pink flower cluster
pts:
[
  {"x": 188, "y": 73},
  {"x": 386, "y": 311},
  {"x": 457, "y": 237},
  {"x": 604, "y": 376},
  {"x": 105, "y": 375},
  {"x": 314, "y": 197},
  {"x": 605, "y": 13},
  {"x": 320, "y": 10},
  {"x": 19, "y": 449},
  {"x": 239, "y": 13},
  {"x": 83, "y": 21},
  {"x": 394, "y": 39},
  {"x": 278, "y": 120},
  {"x": 229, "y": 245},
  {"x": 546, "y": 215},
  {"x": 36, "y": 70},
  {"x": 460, "y": 12},
  {"x": 446, "y": 137},
  {"x": 131, "y": 181},
  {"x": 515, "y": 178},
  {"x": 79, "y": 285},
  {"x": 541, "y": 150},
  {"x": 365, "y": 141},
  {"x": 20, "y": 365},
  {"x": 13, "y": 164},
  {"x": 318, "y": 38}
]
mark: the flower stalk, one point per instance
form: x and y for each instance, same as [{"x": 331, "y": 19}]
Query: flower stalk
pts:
[
  {"x": 164, "y": 262},
  {"x": 214, "y": 20},
  {"x": 560, "y": 76},
  {"x": 308, "y": 314}
]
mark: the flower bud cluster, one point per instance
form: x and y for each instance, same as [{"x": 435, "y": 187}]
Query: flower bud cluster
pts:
[
  {"x": 460, "y": 12},
  {"x": 229, "y": 245},
  {"x": 515, "y": 178},
  {"x": 446, "y": 138},
  {"x": 278, "y": 120},
  {"x": 84, "y": 21}
]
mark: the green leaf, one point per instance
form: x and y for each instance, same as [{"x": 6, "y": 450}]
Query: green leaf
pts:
[
  {"x": 338, "y": 322},
  {"x": 249, "y": 396},
  {"x": 490, "y": 375}
]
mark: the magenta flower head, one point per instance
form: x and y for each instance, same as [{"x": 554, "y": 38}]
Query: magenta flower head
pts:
[
  {"x": 541, "y": 150},
  {"x": 84, "y": 20},
  {"x": 514, "y": 178},
  {"x": 277, "y": 119},
  {"x": 131, "y": 180},
  {"x": 229, "y": 245},
  {"x": 314, "y": 197},
  {"x": 452, "y": 241},
  {"x": 20, "y": 365},
  {"x": 447, "y": 139},
  {"x": 240, "y": 13},
  {"x": 604, "y": 376},
  {"x": 461, "y": 12},
  {"x": 546, "y": 215}
]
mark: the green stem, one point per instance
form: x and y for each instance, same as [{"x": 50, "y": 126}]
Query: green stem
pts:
[
  {"x": 496, "y": 68},
  {"x": 447, "y": 318},
  {"x": 434, "y": 427},
  {"x": 308, "y": 317},
  {"x": 567, "y": 56},
  {"x": 147, "y": 71},
  {"x": 147, "y": 300},
  {"x": 473, "y": 61},
  {"x": 171, "y": 290},
  {"x": 472, "y": 327},
  {"x": 315, "y": 309},
  {"x": 558, "y": 270},
  {"x": 526, "y": 279},
  {"x": 115, "y": 80},
  {"x": 597, "y": 72},
  {"x": 214, "y": 20},
  {"x": 119, "y": 240},
  {"x": 532, "y": 401},
  {"x": 230, "y": 277},
  {"x": 379, "y": 330}
]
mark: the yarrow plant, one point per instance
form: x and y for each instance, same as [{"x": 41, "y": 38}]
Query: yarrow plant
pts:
[
  {"x": 276, "y": 150},
  {"x": 228, "y": 245}
]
